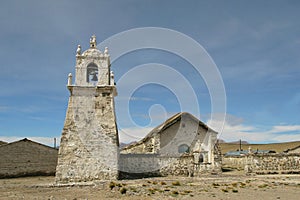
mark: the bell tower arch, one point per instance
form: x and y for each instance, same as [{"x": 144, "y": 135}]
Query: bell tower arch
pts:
[{"x": 92, "y": 73}]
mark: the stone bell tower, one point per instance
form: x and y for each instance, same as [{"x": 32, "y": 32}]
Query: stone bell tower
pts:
[{"x": 89, "y": 143}]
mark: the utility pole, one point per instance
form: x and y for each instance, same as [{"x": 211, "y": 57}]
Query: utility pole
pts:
[{"x": 240, "y": 144}]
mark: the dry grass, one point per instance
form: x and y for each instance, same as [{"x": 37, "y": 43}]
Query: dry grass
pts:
[{"x": 233, "y": 186}]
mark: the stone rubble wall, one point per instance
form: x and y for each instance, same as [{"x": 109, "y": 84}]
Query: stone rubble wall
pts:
[
  {"x": 155, "y": 164},
  {"x": 273, "y": 164},
  {"x": 234, "y": 162},
  {"x": 150, "y": 146},
  {"x": 139, "y": 163},
  {"x": 26, "y": 158},
  {"x": 89, "y": 143},
  {"x": 296, "y": 150},
  {"x": 182, "y": 166},
  {"x": 264, "y": 163}
]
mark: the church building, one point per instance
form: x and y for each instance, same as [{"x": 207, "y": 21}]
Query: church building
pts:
[{"x": 89, "y": 147}]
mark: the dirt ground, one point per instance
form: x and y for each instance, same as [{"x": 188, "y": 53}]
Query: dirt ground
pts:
[{"x": 225, "y": 186}]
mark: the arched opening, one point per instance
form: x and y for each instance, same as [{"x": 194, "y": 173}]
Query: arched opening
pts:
[
  {"x": 201, "y": 158},
  {"x": 92, "y": 73},
  {"x": 183, "y": 148}
]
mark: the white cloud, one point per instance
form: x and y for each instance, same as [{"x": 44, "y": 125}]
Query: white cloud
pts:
[
  {"x": 128, "y": 135},
  {"x": 252, "y": 134},
  {"x": 285, "y": 128}
]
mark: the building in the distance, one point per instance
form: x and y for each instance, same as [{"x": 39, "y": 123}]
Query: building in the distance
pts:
[{"x": 27, "y": 158}]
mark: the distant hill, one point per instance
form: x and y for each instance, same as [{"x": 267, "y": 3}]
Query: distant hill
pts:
[
  {"x": 125, "y": 144},
  {"x": 234, "y": 142},
  {"x": 278, "y": 147},
  {"x": 1, "y": 143}
]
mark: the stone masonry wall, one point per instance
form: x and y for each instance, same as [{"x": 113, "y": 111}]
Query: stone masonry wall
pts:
[
  {"x": 139, "y": 163},
  {"x": 234, "y": 162},
  {"x": 156, "y": 164},
  {"x": 277, "y": 164},
  {"x": 89, "y": 144},
  {"x": 150, "y": 146},
  {"x": 296, "y": 150},
  {"x": 182, "y": 166},
  {"x": 24, "y": 158}
]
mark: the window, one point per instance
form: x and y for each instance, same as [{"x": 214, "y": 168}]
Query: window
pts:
[
  {"x": 183, "y": 148},
  {"x": 92, "y": 73}
]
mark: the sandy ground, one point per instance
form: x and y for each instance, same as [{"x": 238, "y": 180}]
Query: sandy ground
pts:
[{"x": 225, "y": 186}]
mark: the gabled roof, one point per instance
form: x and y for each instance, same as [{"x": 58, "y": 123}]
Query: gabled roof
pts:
[
  {"x": 26, "y": 140},
  {"x": 169, "y": 122}
]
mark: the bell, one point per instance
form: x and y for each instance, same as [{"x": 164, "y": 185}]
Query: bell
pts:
[{"x": 94, "y": 78}]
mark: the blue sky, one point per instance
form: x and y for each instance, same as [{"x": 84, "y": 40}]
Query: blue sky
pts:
[{"x": 254, "y": 44}]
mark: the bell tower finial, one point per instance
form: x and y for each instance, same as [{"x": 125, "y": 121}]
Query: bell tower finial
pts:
[{"x": 93, "y": 42}]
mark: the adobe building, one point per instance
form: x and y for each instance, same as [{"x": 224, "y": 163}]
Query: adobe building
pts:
[
  {"x": 182, "y": 145},
  {"x": 27, "y": 158},
  {"x": 89, "y": 143}
]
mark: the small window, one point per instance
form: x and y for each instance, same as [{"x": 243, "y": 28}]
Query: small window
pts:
[{"x": 183, "y": 148}]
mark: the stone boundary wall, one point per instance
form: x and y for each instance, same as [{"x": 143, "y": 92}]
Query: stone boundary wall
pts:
[
  {"x": 234, "y": 162},
  {"x": 177, "y": 166},
  {"x": 273, "y": 164},
  {"x": 144, "y": 165},
  {"x": 138, "y": 163}
]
